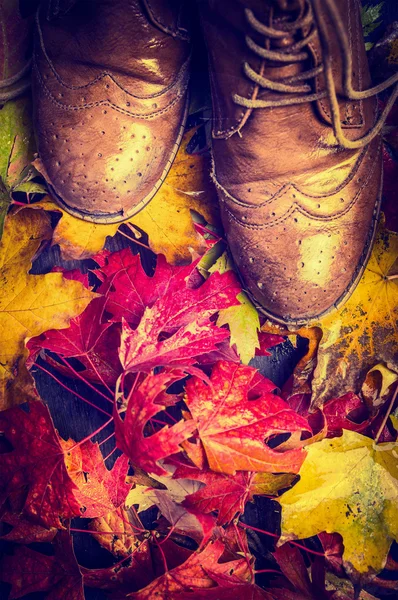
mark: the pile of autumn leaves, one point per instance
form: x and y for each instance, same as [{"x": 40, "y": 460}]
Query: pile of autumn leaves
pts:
[{"x": 199, "y": 435}]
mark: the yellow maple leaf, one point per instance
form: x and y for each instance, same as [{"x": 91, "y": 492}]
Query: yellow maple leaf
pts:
[
  {"x": 167, "y": 219},
  {"x": 365, "y": 330},
  {"x": 29, "y": 304},
  {"x": 348, "y": 485}
]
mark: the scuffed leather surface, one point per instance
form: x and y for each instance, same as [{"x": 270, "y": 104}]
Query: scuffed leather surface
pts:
[
  {"x": 298, "y": 210},
  {"x": 15, "y": 40},
  {"x": 109, "y": 99}
]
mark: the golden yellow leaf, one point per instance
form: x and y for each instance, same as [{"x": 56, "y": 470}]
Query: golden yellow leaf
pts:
[
  {"x": 77, "y": 239},
  {"x": 365, "y": 330},
  {"x": 29, "y": 304},
  {"x": 270, "y": 484},
  {"x": 166, "y": 219},
  {"x": 114, "y": 532},
  {"x": 348, "y": 485}
]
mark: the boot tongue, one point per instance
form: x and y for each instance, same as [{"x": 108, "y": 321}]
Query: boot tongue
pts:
[
  {"x": 288, "y": 5},
  {"x": 170, "y": 16}
]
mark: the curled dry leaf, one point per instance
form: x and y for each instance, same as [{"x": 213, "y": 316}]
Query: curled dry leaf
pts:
[
  {"x": 348, "y": 485},
  {"x": 364, "y": 330},
  {"x": 377, "y": 386},
  {"x": 166, "y": 219},
  {"x": 114, "y": 532},
  {"x": 29, "y": 304},
  {"x": 233, "y": 417}
]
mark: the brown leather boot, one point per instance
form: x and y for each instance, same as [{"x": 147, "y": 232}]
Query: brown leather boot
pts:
[
  {"x": 110, "y": 99},
  {"x": 297, "y": 155},
  {"x": 15, "y": 50}
]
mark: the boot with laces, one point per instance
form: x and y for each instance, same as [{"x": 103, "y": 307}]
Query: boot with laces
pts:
[
  {"x": 110, "y": 84},
  {"x": 296, "y": 148}
]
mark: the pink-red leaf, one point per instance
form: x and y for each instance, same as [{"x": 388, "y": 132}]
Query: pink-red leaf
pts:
[{"x": 144, "y": 403}]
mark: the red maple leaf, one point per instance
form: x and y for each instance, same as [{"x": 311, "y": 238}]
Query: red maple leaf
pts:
[
  {"x": 195, "y": 573},
  {"x": 36, "y": 463},
  {"x": 131, "y": 575},
  {"x": 233, "y": 417},
  {"x": 267, "y": 341},
  {"x": 25, "y": 532},
  {"x": 132, "y": 437},
  {"x": 98, "y": 489},
  {"x": 29, "y": 571},
  {"x": 39, "y": 463},
  {"x": 90, "y": 340},
  {"x": 227, "y": 494},
  {"x": 166, "y": 318}
]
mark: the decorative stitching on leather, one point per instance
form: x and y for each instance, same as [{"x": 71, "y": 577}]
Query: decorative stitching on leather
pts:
[
  {"x": 106, "y": 103},
  {"x": 297, "y": 207},
  {"x": 287, "y": 186},
  {"x": 181, "y": 74}
]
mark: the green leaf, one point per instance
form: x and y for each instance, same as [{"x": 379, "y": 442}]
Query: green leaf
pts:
[
  {"x": 370, "y": 16},
  {"x": 15, "y": 149},
  {"x": 30, "y": 187},
  {"x": 244, "y": 325},
  {"x": 243, "y": 320}
]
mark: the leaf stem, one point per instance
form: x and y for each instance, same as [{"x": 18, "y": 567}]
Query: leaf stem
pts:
[
  {"x": 390, "y": 407},
  {"x": 267, "y": 571},
  {"x": 86, "y": 439},
  {"x": 133, "y": 239},
  {"x": 76, "y": 374},
  {"x": 106, "y": 439},
  {"x": 274, "y": 535},
  {"x": 72, "y": 391}
]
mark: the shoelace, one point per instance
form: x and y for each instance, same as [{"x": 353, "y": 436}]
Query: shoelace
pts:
[{"x": 312, "y": 18}]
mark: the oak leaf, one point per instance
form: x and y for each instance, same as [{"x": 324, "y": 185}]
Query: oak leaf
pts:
[
  {"x": 348, "y": 485},
  {"x": 29, "y": 304},
  {"x": 166, "y": 219},
  {"x": 364, "y": 331},
  {"x": 233, "y": 417}
]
